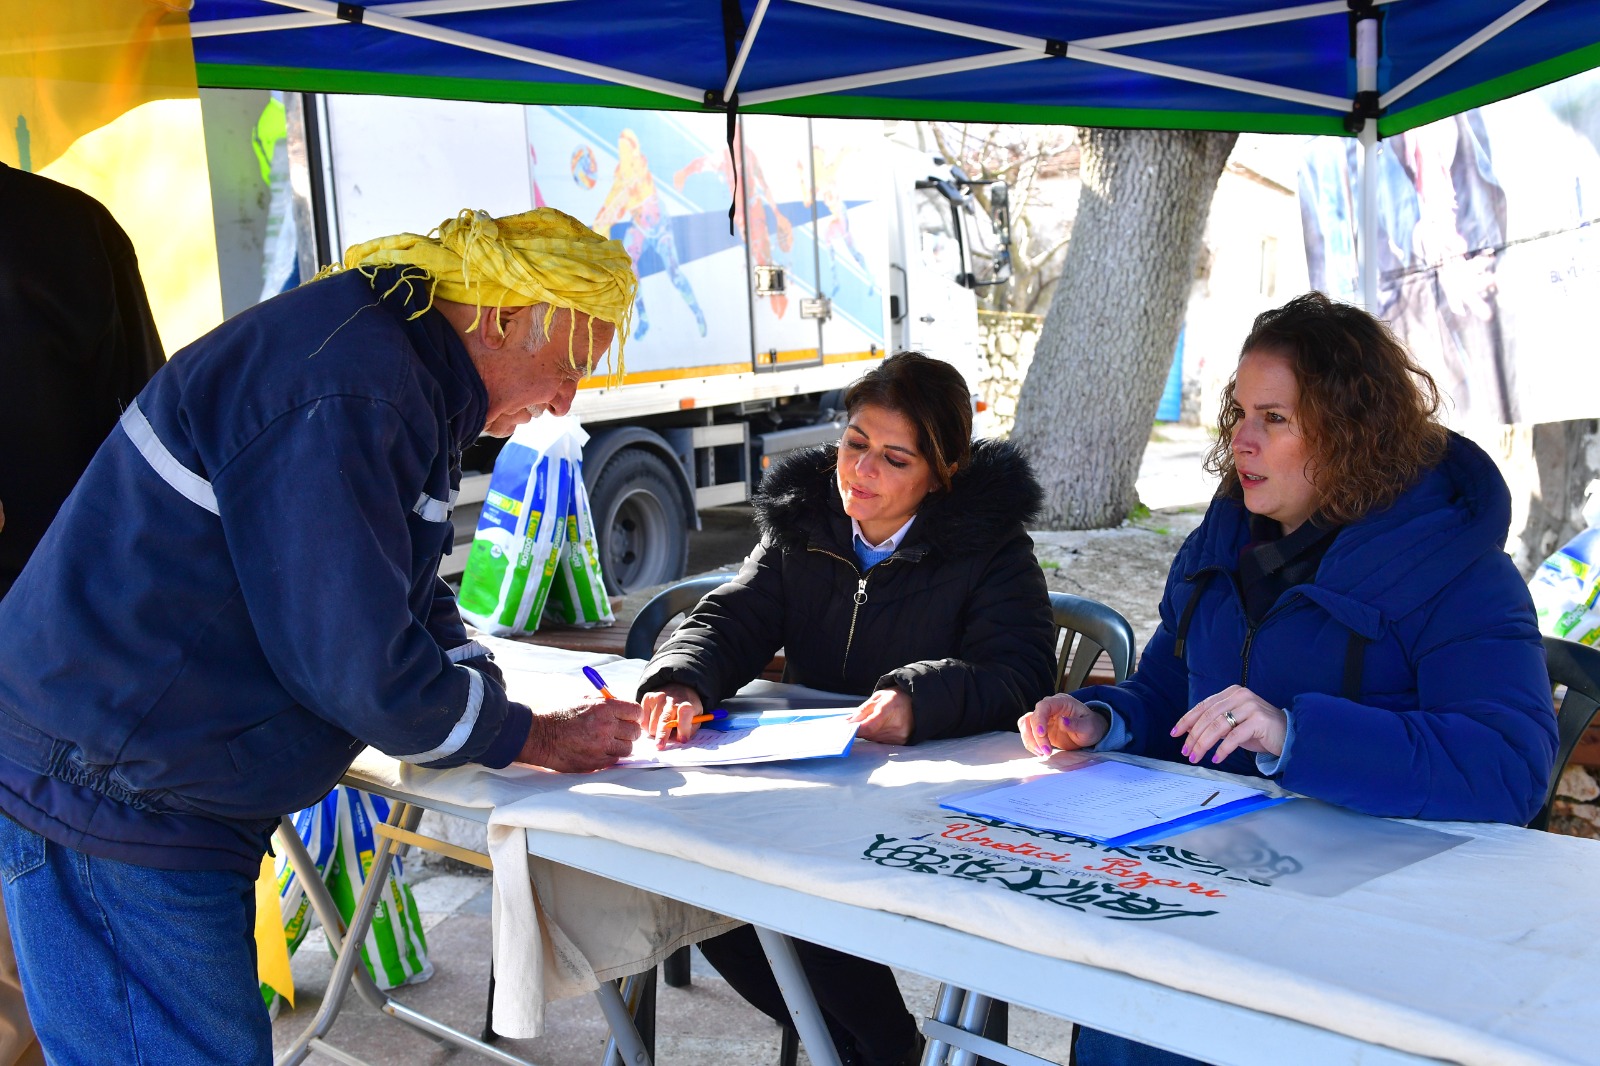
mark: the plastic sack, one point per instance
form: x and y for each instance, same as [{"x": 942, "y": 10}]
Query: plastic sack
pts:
[
  {"x": 1566, "y": 585},
  {"x": 338, "y": 833},
  {"x": 535, "y": 539},
  {"x": 578, "y": 594}
]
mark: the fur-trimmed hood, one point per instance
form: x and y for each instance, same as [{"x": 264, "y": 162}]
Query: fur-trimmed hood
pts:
[{"x": 989, "y": 499}]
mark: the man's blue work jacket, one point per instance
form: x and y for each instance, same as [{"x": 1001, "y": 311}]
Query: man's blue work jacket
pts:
[{"x": 242, "y": 590}]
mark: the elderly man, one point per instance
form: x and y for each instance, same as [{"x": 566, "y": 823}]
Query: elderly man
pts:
[{"x": 241, "y": 592}]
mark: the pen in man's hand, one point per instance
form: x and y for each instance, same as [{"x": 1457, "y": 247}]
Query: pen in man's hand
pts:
[
  {"x": 707, "y": 716},
  {"x": 597, "y": 681}
]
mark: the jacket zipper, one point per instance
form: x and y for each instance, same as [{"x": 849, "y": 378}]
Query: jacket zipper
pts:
[
  {"x": 860, "y": 598},
  {"x": 1244, "y": 653},
  {"x": 1250, "y": 627},
  {"x": 1249, "y": 639}
]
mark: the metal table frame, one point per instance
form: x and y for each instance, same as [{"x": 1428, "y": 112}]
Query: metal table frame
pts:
[
  {"x": 616, "y": 1003},
  {"x": 625, "y": 1048}
]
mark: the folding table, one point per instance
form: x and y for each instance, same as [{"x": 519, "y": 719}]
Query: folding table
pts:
[{"x": 1482, "y": 954}]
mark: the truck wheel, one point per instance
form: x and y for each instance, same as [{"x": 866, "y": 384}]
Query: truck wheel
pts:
[{"x": 639, "y": 521}]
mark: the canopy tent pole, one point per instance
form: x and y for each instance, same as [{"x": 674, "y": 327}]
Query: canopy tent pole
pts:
[
  {"x": 1026, "y": 48},
  {"x": 744, "y": 50},
  {"x": 1220, "y": 25},
  {"x": 1516, "y": 14},
  {"x": 1367, "y": 82},
  {"x": 928, "y": 22},
  {"x": 475, "y": 43},
  {"x": 304, "y": 20},
  {"x": 885, "y": 77},
  {"x": 1205, "y": 77}
]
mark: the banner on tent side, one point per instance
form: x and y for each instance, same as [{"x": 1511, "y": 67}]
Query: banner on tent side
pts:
[{"x": 1488, "y": 257}]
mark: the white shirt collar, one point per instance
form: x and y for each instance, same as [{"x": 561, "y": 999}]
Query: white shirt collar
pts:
[{"x": 887, "y": 546}]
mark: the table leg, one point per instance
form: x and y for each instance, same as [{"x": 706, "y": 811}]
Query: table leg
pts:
[
  {"x": 638, "y": 995},
  {"x": 797, "y": 995},
  {"x": 947, "y": 1009},
  {"x": 974, "y": 1012},
  {"x": 629, "y": 1045}
]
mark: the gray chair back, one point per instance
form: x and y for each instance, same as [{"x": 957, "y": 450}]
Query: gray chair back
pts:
[
  {"x": 1576, "y": 666},
  {"x": 1086, "y": 628},
  {"x": 663, "y": 607}
]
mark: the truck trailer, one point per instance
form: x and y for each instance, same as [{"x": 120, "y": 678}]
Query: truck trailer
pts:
[{"x": 779, "y": 259}]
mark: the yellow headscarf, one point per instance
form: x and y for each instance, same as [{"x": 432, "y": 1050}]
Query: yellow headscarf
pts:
[{"x": 537, "y": 257}]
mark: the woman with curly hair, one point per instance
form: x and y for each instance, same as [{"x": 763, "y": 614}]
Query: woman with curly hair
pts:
[{"x": 1345, "y": 619}]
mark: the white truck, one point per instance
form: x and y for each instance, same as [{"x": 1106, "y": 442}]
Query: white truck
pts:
[{"x": 843, "y": 246}]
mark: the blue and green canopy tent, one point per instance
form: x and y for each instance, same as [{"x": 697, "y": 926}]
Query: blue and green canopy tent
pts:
[{"x": 1365, "y": 68}]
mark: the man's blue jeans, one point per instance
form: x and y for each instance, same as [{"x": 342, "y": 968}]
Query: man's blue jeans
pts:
[{"x": 128, "y": 964}]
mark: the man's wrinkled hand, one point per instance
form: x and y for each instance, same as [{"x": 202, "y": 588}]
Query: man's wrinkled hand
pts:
[{"x": 588, "y": 735}]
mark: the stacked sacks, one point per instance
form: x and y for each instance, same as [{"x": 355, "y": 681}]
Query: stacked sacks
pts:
[
  {"x": 536, "y": 545},
  {"x": 338, "y": 833}
]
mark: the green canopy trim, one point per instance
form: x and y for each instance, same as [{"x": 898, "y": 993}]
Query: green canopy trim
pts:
[{"x": 1501, "y": 88}]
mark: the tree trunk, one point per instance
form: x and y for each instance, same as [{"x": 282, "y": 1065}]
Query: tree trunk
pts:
[{"x": 1106, "y": 346}]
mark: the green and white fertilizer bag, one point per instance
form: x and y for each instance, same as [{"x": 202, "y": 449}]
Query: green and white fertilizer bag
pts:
[
  {"x": 1566, "y": 586},
  {"x": 578, "y": 594},
  {"x": 535, "y": 540},
  {"x": 338, "y": 833}
]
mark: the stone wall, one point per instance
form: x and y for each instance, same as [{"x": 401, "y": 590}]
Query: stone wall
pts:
[
  {"x": 1007, "y": 340},
  {"x": 1576, "y": 808}
]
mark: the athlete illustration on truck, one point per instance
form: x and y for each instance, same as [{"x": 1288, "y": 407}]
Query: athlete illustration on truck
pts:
[{"x": 844, "y": 246}]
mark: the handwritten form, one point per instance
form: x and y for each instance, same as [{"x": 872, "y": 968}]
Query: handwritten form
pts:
[
  {"x": 1102, "y": 800},
  {"x": 811, "y": 738}
]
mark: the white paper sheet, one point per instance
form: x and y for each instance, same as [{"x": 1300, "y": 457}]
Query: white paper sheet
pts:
[
  {"x": 1102, "y": 800},
  {"x": 814, "y": 738}
]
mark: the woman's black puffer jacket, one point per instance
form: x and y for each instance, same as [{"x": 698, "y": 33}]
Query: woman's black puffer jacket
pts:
[{"x": 958, "y": 617}]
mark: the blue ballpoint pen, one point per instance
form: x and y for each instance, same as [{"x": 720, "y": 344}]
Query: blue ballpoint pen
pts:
[{"x": 597, "y": 681}]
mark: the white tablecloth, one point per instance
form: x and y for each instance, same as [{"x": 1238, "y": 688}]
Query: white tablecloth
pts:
[{"x": 1482, "y": 954}]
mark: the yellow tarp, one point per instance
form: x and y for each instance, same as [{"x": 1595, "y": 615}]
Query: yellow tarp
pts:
[
  {"x": 272, "y": 950},
  {"x": 71, "y": 66},
  {"x": 100, "y": 95}
]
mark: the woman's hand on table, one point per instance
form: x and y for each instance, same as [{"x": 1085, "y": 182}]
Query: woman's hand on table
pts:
[
  {"x": 1234, "y": 718},
  {"x": 1061, "y": 723},
  {"x": 669, "y": 713},
  {"x": 884, "y": 717},
  {"x": 589, "y": 735}
]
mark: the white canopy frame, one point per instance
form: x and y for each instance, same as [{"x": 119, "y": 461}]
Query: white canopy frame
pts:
[{"x": 1017, "y": 48}]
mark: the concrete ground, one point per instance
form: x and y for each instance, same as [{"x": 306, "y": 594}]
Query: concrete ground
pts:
[{"x": 705, "y": 1024}]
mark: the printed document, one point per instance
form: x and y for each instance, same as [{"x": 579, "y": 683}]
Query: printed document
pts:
[
  {"x": 1113, "y": 802},
  {"x": 808, "y": 738}
]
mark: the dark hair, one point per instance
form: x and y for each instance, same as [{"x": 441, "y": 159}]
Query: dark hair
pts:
[
  {"x": 1366, "y": 407},
  {"x": 933, "y": 395}
]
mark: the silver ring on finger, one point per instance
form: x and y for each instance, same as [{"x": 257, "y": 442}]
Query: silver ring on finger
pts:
[{"x": 1232, "y": 721}]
